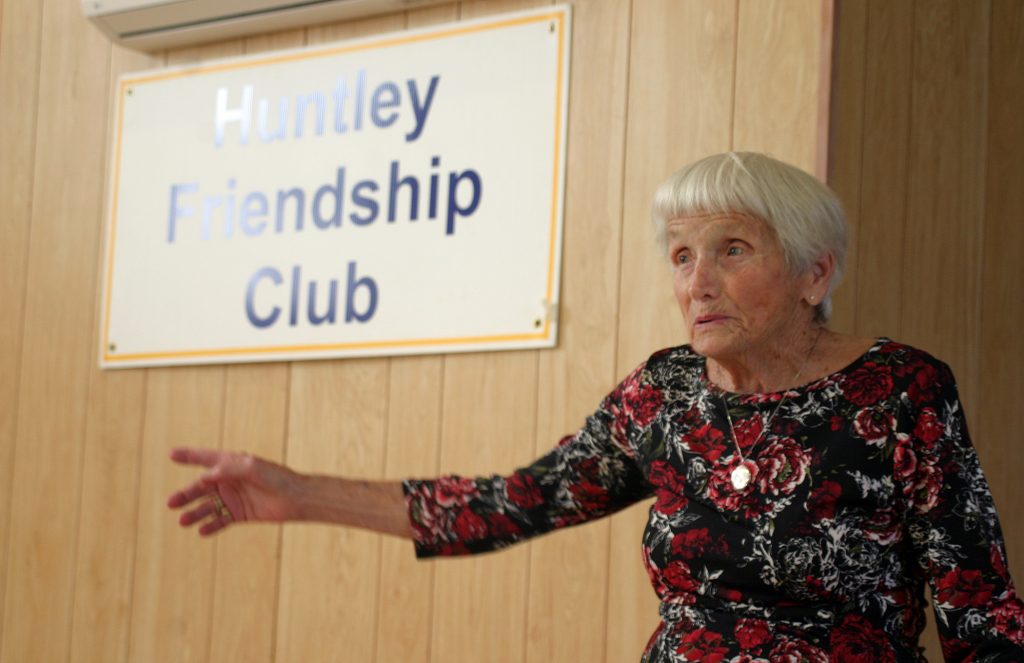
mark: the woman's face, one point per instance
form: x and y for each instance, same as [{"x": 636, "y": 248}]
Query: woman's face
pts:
[{"x": 735, "y": 291}]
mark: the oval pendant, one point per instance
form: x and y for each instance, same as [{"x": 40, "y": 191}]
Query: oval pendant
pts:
[{"x": 740, "y": 476}]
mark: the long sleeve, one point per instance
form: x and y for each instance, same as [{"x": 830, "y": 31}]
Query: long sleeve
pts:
[
  {"x": 586, "y": 476},
  {"x": 953, "y": 526}
]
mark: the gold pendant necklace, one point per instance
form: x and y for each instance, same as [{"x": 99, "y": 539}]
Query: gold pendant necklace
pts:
[{"x": 743, "y": 474}]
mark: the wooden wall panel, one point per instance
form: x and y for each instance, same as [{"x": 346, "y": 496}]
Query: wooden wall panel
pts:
[
  {"x": 847, "y": 130},
  {"x": 329, "y": 576},
  {"x": 19, "y": 84},
  {"x": 567, "y": 618},
  {"x": 172, "y": 596},
  {"x": 778, "y": 77},
  {"x": 1001, "y": 365},
  {"x": 879, "y": 229},
  {"x": 55, "y": 355}
]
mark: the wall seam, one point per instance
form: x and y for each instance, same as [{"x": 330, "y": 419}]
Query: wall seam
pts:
[
  {"x": 855, "y": 325},
  {"x": 906, "y": 180},
  {"x": 976, "y": 348},
  {"x": 84, "y": 426},
  {"x": 735, "y": 76},
  {"x": 138, "y": 514}
]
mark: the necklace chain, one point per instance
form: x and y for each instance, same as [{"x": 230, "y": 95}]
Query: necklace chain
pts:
[{"x": 741, "y": 474}]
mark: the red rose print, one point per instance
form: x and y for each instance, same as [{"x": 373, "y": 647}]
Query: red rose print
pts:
[
  {"x": 707, "y": 441},
  {"x": 904, "y": 461},
  {"x": 501, "y": 526},
  {"x": 883, "y": 527},
  {"x": 668, "y": 501},
  {"x": 796, "y": 651},
  {"x": 453, "y": 490},
  {"x": 868, "y": 384},
  {"x": 469, "y": 526},
  {"x": 855, "y": 640},
  {"x": 590, "y": 496},
  {"x": 663, "y": 475},
  {"x": 996, "y": 559},
  {"x": 1009, "y": 618},
  {"x": 677, "y": 579},
  {"x": 720, "y": 488},
  {"x": 926, "y": 489},
  {"x": 641, "y": 402},
  {"x": 702, "y": 645},
  {"x": 781, "y": 467},
  {"x": 748, "y": 431},
  {"x": 752, "y": 633},
  {"x": 668, "y": 488},
  {"x": 929, "y": 428},
  {"x": 874, "y": 425},
  {"x": 523, "y": 491},
  {"x": 962, "y": 588},
  {"x": 452, "y": 549},
  {"x": 691, "y": 543},
  {"x": 822, "y": 502},
  {"x": 925, "y": 385}
]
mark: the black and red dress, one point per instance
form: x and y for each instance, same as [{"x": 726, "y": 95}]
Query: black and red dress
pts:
[{"x": 865, "y": 488}]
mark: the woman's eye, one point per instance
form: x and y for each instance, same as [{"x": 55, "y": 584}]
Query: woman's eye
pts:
[
  {"x": 681, "y": 258},
  {"x": 734, "y": 250}
]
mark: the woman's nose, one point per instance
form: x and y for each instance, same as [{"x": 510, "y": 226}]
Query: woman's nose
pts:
[{"x": 703, "y": 279}]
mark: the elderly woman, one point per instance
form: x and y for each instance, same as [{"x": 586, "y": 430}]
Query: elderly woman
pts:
[{"x": 807, "y": 483}]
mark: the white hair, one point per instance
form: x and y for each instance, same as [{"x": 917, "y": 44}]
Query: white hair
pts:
[{"x": 805, "y": 215}]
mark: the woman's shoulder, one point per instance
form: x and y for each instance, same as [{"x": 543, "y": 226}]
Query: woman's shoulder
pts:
[
  {"x": 898, "y": 369},
  {"x": 669, "y": 366}
]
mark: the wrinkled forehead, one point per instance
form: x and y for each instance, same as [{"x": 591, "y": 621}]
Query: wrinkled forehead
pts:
[{"x": 719, "y": 222}]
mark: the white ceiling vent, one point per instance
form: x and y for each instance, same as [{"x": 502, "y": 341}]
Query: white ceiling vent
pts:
[{"x": 158, "y": 24}]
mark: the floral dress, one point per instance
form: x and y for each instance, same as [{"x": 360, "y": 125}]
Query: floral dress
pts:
[{"x": 864, "y": 488}]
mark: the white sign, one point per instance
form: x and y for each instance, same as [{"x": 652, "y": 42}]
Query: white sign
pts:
[{"x": 393, "y": 195}]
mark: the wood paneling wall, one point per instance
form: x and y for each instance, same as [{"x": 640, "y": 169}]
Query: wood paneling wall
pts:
[
  {"x": 94, "y": 568},
  {"x": 927, "y": 151}
]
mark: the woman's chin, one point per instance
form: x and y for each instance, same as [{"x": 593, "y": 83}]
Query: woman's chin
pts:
[{"x": 712, "y": 344}]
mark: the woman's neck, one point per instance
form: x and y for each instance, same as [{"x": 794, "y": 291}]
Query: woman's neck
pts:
[{"x": 760, "y": 370}]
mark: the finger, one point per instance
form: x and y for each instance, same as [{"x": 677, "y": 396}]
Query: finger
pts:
[
  {"x": 204, "y": 510},
  {"x": 189, "y": 456},
  {"x": 187, "y": 495},
  {"x": 213, "y": 526}
]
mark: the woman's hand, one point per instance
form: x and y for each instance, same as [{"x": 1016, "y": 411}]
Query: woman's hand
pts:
[
  {"x": 235, "y": 488},
  {"x": 238, "y": 487}
]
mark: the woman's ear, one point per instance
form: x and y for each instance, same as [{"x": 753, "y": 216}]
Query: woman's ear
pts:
[{"x": 819, "y": 275}]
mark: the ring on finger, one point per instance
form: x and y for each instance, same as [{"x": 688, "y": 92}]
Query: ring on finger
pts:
[{"x": 220, "y": 509}]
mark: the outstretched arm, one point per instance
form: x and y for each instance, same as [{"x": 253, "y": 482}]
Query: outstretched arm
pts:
[{"x": 252, "y": 489}]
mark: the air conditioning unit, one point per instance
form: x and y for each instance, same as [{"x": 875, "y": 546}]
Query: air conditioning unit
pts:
[{"x": 156, "y": 24}]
